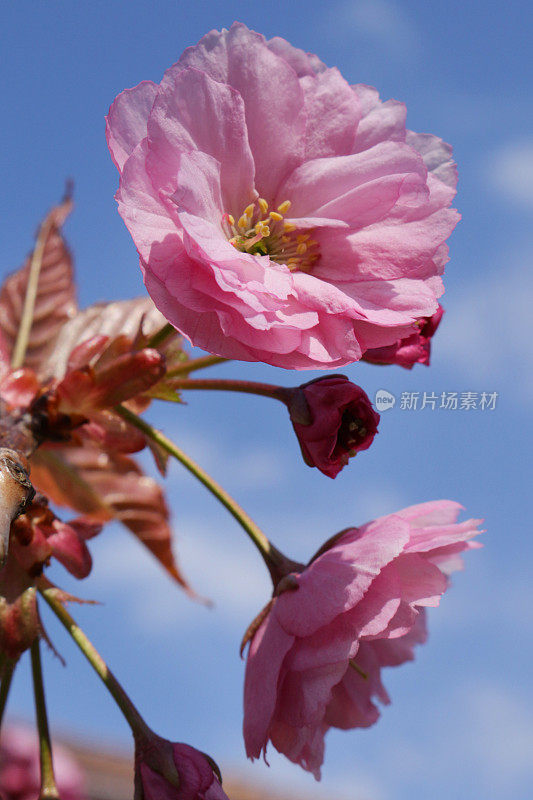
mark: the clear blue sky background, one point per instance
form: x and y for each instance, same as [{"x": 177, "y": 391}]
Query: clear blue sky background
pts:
[{"x": 460, "y": 723}]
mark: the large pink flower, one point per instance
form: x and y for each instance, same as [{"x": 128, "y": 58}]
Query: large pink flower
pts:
[
  {"x": 280, "y": 214},
  {"x": 315, "y": 660}
]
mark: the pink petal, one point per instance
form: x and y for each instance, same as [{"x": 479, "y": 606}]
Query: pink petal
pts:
[
  {"x": 332, "y": 115},
  {"x": 319, "y": 182},
  {"x": 395, "y": 651},
  {"x": 437, "y": 156},
  {"x": 127, "y": 120},
  {"x": 194, "y": 112},
  {"x": 426, "y": 539},
  {"x": 380, "y": 122},
  {"x": 265, "y": 657},
  {"x": 242, "y": 58},
  {"x": 337, "y": 580},
  {"x": 302, "y": 63},
  {"x": 435, "y": 512}
]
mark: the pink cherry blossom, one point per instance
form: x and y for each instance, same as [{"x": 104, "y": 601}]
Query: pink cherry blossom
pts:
[
  {"x": 414, "y": 349},
  {"x": 333, "y": 420},
  {"x": 191, "y": 769},
  {"x": 280, "y": 214},
  {"x": 315, "y": 660}
]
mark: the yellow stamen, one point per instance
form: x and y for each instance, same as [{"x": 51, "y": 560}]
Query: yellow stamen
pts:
[
  {"x": 303, "y": 237},
  {"x": 358, "y": 669},
  {"x": 289, "y": 226},
  {"x": 243, "y": 223},
  {"x": 249, "y": 211},
  {"x": 284, "y": 207},
  {"x": 262, "y": 228},
  {"x": 275, "y": 216},
  {"x": 231, "y": 219},
  {"x": 263, "y": 205},
  {"x": 302, "y": 248}
]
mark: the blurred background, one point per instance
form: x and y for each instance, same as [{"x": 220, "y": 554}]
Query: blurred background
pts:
[{"x": 460, "y": 724}]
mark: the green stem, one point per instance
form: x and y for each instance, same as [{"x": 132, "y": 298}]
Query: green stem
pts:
[
  {"x": 26, "y": 320},
  {"x": 48, "y": 783},
  {"x": 196, "y": 363},
  {"x": 5, "y": 684},
  {"x": 270, "y": 554},
  {"x": 227, "y": 385},
  {"x": 159, "y": 336},
  {"x": 132, "y": 716}
]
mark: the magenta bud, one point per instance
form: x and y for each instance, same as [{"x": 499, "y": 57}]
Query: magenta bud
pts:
[
  {"x": 173, "y": 771},
  {"x": 413, "y": 349},
  {"x": 333, "y": 419}
]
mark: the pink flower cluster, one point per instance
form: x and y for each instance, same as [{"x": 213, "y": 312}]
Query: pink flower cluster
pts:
[
  {"x": 20, "y": 774},
  {"x": 280, "y": 214},
  {"x": 315, "y": 661}
]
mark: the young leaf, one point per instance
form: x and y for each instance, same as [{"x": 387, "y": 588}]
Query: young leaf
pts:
[
  {"x": 105, "y": 486},
  {"x": 55, "y": 299},
  {"x": 123, "y": 318}
]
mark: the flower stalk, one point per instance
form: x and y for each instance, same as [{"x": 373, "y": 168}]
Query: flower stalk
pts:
[
  {"x": 227, "y": 385},
  {"x": 48, "y": 784},
  {"x": 157, "y": 751},
  {"x": 7, "y": 669},
  {"x": 275, "y": 561},
  {"x": 132, "y": 716}
]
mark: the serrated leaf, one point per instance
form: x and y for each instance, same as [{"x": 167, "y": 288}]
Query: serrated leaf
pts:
[
  {"x": 162, "y": 391},
  {"x": 105, "y": 486},
  {"x": 55, "y": 302}
]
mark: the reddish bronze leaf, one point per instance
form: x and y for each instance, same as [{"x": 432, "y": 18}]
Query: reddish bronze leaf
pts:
[
  {"x": 105, "y": 486},
  {"x": 122, "y": 318},
  {"x": 56, "y": 297}
]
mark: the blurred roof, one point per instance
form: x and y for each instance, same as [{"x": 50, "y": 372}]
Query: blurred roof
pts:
[{"x": 109, "y": 776}]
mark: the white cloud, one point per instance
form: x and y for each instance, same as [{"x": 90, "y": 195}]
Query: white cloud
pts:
[
  {"x": 282, "y": 775},
  {"x": 383, "y": 22},
  {"x": 487, "y": 330},
  {"x": 217, "y": 565},
  {"x": 510, "y": 171},
  {"x": 500, "y": 734},
  {"x": 484, "y": 731},
  {"x": 251, "y": 466}
]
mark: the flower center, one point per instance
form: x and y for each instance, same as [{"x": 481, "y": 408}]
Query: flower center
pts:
[
  {"x": 267, "y": 233},
  {"x": 352, "y": 432}
]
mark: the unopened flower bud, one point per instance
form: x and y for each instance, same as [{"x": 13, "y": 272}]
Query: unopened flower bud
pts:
[
  {"x": 173, "y": 771},
  {"x": 413, "y": 349},
  {"x": 333, "y": 420}
]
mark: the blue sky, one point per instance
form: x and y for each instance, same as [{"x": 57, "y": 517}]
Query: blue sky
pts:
[{"x": 460, "y": 723}]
